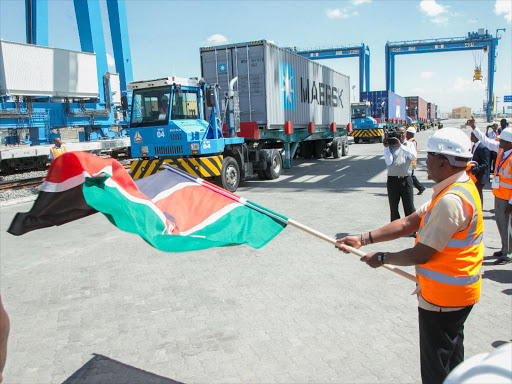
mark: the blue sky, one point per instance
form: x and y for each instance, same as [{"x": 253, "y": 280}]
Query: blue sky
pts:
[{"x": 165, "y": 37}]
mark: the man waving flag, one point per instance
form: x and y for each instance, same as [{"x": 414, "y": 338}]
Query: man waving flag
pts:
[{"x": 171, "y": 210}]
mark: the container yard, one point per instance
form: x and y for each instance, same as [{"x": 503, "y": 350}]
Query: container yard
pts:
[{"x": 177, "y": 180}]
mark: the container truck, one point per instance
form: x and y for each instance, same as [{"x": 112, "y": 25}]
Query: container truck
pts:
[
  {"x": 276, "y": 104},
  {"x": 377, "y": 111},
  {"x": 416, "y": 109}
]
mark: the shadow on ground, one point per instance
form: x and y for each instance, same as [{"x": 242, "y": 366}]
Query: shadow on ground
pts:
[
  {"x": 101, "y": 369},
  {"x": 503, "y": 276}
]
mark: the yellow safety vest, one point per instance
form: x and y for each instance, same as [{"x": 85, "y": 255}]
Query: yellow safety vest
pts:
[{"x": 56, "y": 152}]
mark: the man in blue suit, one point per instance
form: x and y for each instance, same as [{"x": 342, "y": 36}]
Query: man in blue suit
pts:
[{"x": 480, "y": 164}]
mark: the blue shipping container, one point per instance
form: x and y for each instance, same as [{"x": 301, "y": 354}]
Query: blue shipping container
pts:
[{"x": 394, "y": 104}]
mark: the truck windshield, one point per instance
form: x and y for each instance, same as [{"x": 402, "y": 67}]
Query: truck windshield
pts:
[
  {"x": 184, "y": 105},
  {"x": 359, "y": 112},
  {"x": 150, "y": 107}
]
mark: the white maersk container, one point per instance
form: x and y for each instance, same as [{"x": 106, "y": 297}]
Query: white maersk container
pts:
[
  {"x": 276, "y": 85},
  {"x": 31, "y": 70}
]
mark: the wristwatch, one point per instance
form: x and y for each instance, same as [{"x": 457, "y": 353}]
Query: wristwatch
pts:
[{"x": 381, "y": 257}]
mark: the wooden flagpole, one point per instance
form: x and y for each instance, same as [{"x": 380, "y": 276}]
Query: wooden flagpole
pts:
[{"x": 357, "y": 252}]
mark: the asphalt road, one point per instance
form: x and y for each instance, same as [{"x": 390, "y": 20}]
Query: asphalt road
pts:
[{"x": 93, "y": 304}]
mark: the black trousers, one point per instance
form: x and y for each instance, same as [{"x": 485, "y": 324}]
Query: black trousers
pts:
[
  {"x": 492, "y": 164},
  {"x": 480, "y": 188},
  {"x": 441, "y": 343},
  {"x": 400, "y": 188},
  {"x": 417, "y": 183}
]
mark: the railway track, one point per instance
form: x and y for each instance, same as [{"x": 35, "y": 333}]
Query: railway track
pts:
[{"x": 31, "y": 182}]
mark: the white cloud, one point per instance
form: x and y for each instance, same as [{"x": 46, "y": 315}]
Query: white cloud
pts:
[
  {"x": 359, "y": 2},
  {"x": 426, "y": 75},
  {"x": 440, "y": 20},
  {"x": 504, "y": 7},
  {"x": 217, "y": 39},
  {"x": 431, "y": 8},
  {"x": 464, "y": 85},
  {"x": 337, "y": 13},
  {"x": 472, "y": 21}
]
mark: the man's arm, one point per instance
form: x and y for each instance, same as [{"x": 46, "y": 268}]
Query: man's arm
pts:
[
  {"x": 483, "y": 164},
  {"x": 394, "y": 230},
  {"x": 493, "y": 145},
  {"x": 419, "y": 254},
  {"x": 409, "y": 150},
  {"x": 388, "y": 156}
]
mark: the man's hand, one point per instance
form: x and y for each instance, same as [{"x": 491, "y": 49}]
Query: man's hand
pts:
[
  {"x": 352, "y": 241},
  {"x": 471, "y": 123},
  {"x": 508, "y": 209},
  {"x": 371, "y": 259},
  {"x": 473, "y": 165}
]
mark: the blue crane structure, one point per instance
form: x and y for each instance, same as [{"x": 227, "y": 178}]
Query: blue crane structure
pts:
[
  {"x": 473, "y": 41},
  {"x": 40, "y": 114},
  {"x": 361, "y": 51}
]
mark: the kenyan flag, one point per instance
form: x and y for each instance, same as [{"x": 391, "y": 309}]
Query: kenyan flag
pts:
[{"x": 171, "y": 210}]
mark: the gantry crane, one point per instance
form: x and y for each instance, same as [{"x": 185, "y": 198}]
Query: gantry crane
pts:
[
  {"x": 480, "y": 40},
  {"x": 362, "y": 51}
]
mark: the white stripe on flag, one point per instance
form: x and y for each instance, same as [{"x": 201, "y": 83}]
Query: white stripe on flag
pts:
[
  {"x": 72, "y": 182},
  {"x": 111, "y": 183},
  {"x": 170, "y": 191},
  {"x": 213, "y": 218}
]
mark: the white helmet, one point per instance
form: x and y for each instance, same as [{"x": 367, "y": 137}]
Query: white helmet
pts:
[
  {"x": 411, "y": 130},
  {"x": 450, "y": 142},
  {"x": 506, "y": 135}
]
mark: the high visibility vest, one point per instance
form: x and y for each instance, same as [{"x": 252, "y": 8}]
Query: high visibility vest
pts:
[
  {"x": 503, "y": 169},
  {"x": 470, "y": 174},
  {"x": 451, "y": 278},
  {"x": 413, "y": 164},
  {"x": 56, "y": 152}
]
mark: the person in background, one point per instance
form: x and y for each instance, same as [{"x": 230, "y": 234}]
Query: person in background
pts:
[
  {"x": 501, "y": 188},
  {"x": 409, "y": 135},
  {"x": 492, "y": 134},
  {"x": 4, "y": 334},
  {"x": 448, "y": 253},
  {"x": 398, "y": 155},
  {"x": 57, "y": 150},
  {"x": 503, "y": 125},
  {"x": 480, "y": 165}
]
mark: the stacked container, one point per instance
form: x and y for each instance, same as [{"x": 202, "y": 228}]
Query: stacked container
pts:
[{"x": 394, "y": 105}]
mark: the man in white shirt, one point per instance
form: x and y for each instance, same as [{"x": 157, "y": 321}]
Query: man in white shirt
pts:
[{"x": 399, "y": 155}]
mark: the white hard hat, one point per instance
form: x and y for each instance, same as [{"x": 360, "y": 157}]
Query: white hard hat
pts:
[
  {"x": 411, "y": 130},
  {"x": 451, "y": 142},
  {"x": 506, "y": 135}
]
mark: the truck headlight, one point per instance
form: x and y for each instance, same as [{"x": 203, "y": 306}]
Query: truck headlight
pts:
[
  {"x": 194, "y": 147},
  {"x": 144, "y": 149}
]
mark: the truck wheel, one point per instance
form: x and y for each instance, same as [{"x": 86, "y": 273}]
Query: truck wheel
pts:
[
  {"x": 337, "y": 148},
  {"x": 275, "y": 167},
  {"x": 306, "y": 149},
  {"x": 319, "y": 149},
  {"x": 356, "y": 140},
  {"x": 261, "y": 175},
  {"x": 344, "y": 148},
  {"x": 230, "y": 174}
]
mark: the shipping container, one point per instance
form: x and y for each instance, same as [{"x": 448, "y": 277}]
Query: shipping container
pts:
[
  {"x": 430, "y": 112},
  {"x": 31, "y": 70},
  {"x": 276, "y": 85},
  {"x": 394, "y": 105},
  {"x": 416, "y": 108}
]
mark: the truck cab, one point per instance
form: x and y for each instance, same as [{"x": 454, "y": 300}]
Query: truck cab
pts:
[
  {"x": 363, "y": 124},
  {"x": 168, "y": 119}
]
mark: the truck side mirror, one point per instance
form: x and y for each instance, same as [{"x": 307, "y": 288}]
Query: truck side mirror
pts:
[
  {"x": 210, "y": 97},
  {"x": 124, "y": 103}
]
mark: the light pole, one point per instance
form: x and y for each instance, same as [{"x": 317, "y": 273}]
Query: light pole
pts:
[{"x": 354, "y": 93}]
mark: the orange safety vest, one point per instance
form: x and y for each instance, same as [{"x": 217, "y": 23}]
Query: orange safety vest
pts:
[
  {"x": 451, "y": 278},
  {"x": 413, "y": 164},
  {"x": 56, "y": 152},
  {"x": 503, "y": 169},
  {"x": 470, "y": 174}
]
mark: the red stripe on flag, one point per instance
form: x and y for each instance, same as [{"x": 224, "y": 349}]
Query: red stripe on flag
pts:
[{"x": 190, "y": 206}]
